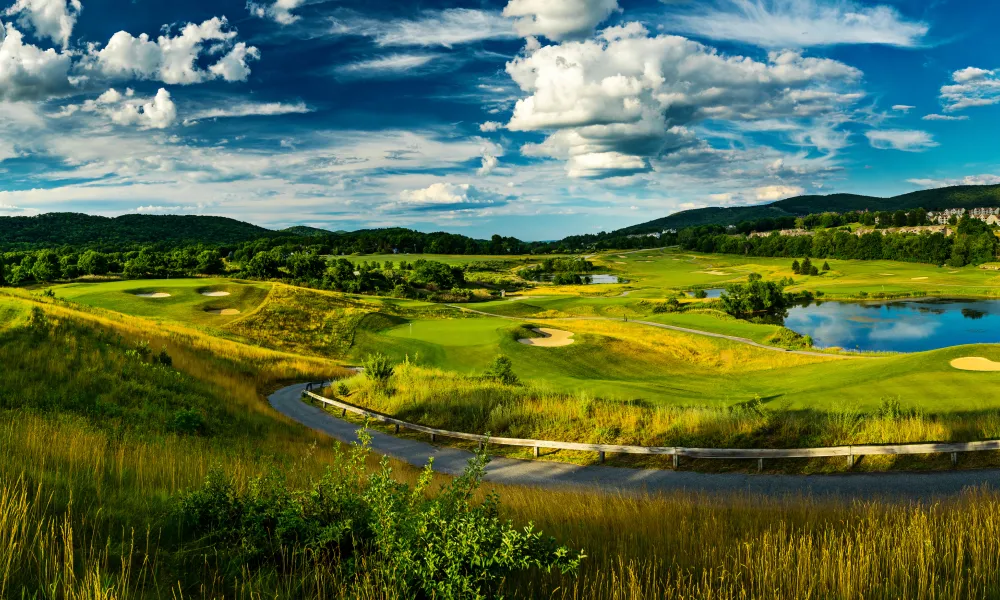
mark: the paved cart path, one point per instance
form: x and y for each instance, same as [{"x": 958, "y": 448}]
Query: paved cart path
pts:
[{"x": 903, "y": 486}]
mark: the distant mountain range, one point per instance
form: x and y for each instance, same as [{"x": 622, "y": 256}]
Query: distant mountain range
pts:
[
  {"x": 969, "y": 196},
  {"x": 75, "y": 229}
]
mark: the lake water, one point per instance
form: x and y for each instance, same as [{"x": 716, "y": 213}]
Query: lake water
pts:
[
  {"x": 594, "y": 279},
  {"x": 898, "y": 326},
  {"x": 713, "y": 293}
]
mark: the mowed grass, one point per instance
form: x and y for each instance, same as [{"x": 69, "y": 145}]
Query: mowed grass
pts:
[
  {"x": 630, "y": 361},
  {"x": 186, "y": 304},
  {"x": 660, "y": 273}
]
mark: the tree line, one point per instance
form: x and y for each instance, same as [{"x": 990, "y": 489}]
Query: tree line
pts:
[{"x": 973, "y": 243}]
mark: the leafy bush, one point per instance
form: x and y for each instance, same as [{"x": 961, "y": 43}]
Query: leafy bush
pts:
[
  {"x": 756, "y": 297},
  {"x": 502, "y": 370},
  {"x": 378, "y": 368},
  {"x": 442, "y": 545},
  {"x": 164, "y": 359},
  {"x": 188, "y": 422}
]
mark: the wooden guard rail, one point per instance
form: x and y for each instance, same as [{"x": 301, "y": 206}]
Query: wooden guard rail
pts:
[{"x": 849, "y": 452}]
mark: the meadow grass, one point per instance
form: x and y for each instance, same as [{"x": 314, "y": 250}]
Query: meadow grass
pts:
[
  {"x": 445, "y": 400},
  {"x": 85, "y": 499}
]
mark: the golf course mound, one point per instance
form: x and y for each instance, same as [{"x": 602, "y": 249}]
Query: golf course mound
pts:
[
  {"x": 551, "y": 338},
  {"x": 223, "y": 311},
  {"x": 152, "y": 295},
  {"x": 975, "y": 363}
]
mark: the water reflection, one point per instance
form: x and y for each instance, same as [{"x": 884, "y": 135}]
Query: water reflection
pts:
[{"x": 900, "y": 326}]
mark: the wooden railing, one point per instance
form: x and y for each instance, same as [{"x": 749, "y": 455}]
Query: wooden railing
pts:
[{"x": 849, "y": 452}]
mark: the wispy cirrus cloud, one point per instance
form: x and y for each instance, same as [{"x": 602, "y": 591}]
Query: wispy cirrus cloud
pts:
[
  {"x": 906, "y": 140},
  {"x": 449, "y": 27},
  {"x": 798, "y": 23}
]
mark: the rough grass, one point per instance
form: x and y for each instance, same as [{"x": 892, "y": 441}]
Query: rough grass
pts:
[{"x": 83, "y": 500}]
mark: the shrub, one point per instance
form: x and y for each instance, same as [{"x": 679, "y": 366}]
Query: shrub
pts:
[
  {"x": 188, "y": 422},
  {"x": 442, "y": 545},
  {"x": 342, "y": 389},
  {"x": 502, "y": 370},
  {"x": 378, "y": 368},
  {"x": 162, "y": 358}
]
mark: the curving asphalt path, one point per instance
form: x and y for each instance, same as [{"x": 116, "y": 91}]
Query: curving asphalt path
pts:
[{"x": 452, "y": 461}]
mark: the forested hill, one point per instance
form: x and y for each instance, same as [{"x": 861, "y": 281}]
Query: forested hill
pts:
[
  {"x": 969, "y": 196},
  {"x": 74, "y": 229}
]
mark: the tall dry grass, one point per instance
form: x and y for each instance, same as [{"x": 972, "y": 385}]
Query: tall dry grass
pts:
[{"x": 447, "y": 400}]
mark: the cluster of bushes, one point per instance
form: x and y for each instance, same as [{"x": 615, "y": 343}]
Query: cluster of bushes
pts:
[
  {"x": 560, "y": 271},
  {"x": 807, "y": 268},
  {"x": 756, "y": 298},
  {"x": 421, "y": 544}
]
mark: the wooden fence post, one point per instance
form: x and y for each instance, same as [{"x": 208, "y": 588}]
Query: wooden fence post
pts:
[
  {"x": 677, "y": 459},
  {"x": 954, "y": 459},
  {"x": 600, "y": 457},
  {"x": 397, "y": 428},
  {"x": 760, "y": 465},
  {"x": 536, "y": 451},
  {"x": 433, "y": 438}
]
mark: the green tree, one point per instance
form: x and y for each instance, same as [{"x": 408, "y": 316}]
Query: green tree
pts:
[
  {"x": 93, "y": 263},
  {"x": 826, "y": 266},
  {"x": 796, "y": 268},
  {"x": 502, "y": 370},
  {"x": 210, "y": 263},
  {"x": 264, "y": 265},
  {"x": 754, "y": 298},
  {"x": 46, "y": 267}
]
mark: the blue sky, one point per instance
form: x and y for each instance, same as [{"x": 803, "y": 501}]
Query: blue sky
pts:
[{"x": 532, "y": 118}]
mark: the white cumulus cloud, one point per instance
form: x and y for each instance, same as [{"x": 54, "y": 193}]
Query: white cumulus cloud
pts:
[
  {"x": 771, "y": 193},
  {"x": 490, "y": 126},
  {"x": 490, "y": 164},
  {"x": 28, "y": 72},
  {"x": 799, "y": 23},
  {"x": 52, "y": 19},
  {"x": 614, "y": 103},
  {"x": 985, "y": 179},
  {"x": 907, "y": 140},
  {"x": 972, "y": 87},
  {"x": 174, "y": 59},
  {"x": 559, "y": 19}
]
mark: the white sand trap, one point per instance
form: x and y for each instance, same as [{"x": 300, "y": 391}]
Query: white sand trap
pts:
[
  {"x": 224, "y": 311},
  {"x": 619, "y": 262},
  {"x": 553, "y": 338},
  {"x": 919, "y": 278},
  {"x": 712, "y": 272},
  {"x": 154, "y": 295},
  {"x": 215, "y": 294},
  {"x": 975, "y": 363},
  {"x": 887, "y": 274}
]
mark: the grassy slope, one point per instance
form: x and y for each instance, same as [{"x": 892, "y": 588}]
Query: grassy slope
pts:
[
  {"x": 185, "y": 305},
  {"x": 121, "y": 482}
]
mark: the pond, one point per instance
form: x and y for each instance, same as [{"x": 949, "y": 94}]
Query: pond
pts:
[
  {"x": 898, "y": 326},
  {"x": 712, "y": 293},
  {"x": 594, "y": 279}
]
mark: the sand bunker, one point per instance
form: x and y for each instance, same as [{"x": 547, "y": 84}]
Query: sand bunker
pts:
[
  {"x": 919, "y": 278},
  {"x": 154, "y": 295},
  {"x": 223, "y": 311},
  {"x": 887, "y": 274},
  {"x": 712, "y": 272},
  {"x": 553, "y": 338},
  {"x": 215, "y": 294},
  {"x": 975, "y": 363}
]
